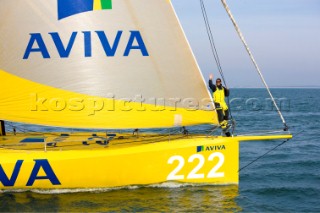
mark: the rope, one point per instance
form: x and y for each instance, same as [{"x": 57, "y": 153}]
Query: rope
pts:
[
  {"x": 254, "y": 62},
  {"x": 211, "y": 39},
  {"x": 29, "y": 131},
  {"x": 213, "y": 48}
]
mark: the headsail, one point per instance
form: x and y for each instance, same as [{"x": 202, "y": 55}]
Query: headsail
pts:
[{"x": 99, "y": 64}]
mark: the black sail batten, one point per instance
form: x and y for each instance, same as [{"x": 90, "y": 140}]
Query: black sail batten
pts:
[{"x": 2, "y": 128}]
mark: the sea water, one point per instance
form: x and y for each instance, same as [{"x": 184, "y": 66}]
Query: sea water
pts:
[{"x": 285, "y": 180}]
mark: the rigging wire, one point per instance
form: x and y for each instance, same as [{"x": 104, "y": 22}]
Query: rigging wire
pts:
[
  {"x": 258, "y": 158},
  {"x": 211, "y": 39},
  {"x": 274, "y": 148},
  {"x": 214, "y": 49},
  {"x": 254, "y": 62}
]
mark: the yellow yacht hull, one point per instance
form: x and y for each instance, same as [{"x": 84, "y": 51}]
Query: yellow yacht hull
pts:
[{"x": 196, "y": 159}]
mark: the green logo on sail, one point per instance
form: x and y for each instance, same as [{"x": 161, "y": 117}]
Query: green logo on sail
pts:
[{"x": 68, "y": 8}]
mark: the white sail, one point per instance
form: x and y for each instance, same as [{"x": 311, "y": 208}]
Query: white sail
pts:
[{"x": 131, "y": 53}]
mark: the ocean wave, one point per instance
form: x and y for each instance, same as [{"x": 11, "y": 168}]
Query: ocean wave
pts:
[
  {"x": 294, "y": 191},
  {"x": 168, "y": 185}
]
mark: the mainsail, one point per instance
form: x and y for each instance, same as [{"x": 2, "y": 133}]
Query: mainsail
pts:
[{"x": 99, "y": 64}]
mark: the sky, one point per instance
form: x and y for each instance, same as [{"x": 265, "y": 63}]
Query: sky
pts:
[{"x": 283, "y": 35}]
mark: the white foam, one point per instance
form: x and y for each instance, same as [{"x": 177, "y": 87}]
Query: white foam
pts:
[{"x": 169, "y": 185}]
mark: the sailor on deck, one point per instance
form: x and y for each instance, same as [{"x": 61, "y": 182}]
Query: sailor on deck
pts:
[{"x": 219, "y": 94}]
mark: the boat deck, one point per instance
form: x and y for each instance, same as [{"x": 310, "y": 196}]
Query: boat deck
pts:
[
  {"x": 83, "y": 140},
  {"x": 101, "y": 140}
]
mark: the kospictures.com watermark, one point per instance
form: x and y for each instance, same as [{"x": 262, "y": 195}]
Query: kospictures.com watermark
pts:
[
  {"x": 138, "y": 103},
  {"x": 259, "y": 104},
  {"x": 110, "y": 103}
]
